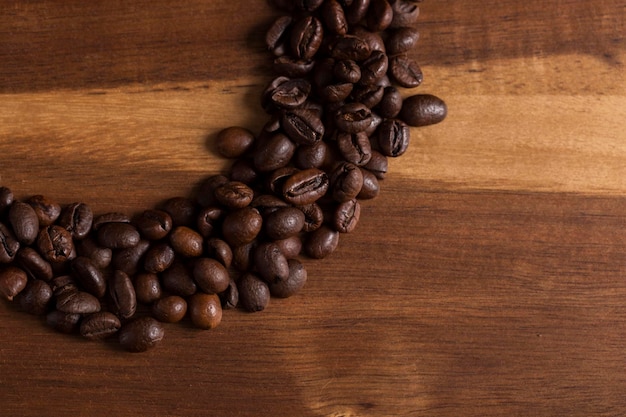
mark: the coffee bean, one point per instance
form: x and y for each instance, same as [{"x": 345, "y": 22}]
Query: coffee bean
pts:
[
  {"x": 293, "y": 67},
  {"x": 13, "y": 280},
  {"x": 305, "y": 187},
  {"x": 6, "y": 199},
  {"x": 373, "y": 39},
  {"x": 379, "y": 15},
  {"x": 63, "y": 322},
  {"x": 374, "y": 68},
  {"x": 219, "y": 250},
  {"x": 209, "y": 219},
  {"x": 123, "y": 295},
  {"x": 284, "y": 222},
  {"x": 277, "y": 36},
  {"x": 321, "y": 243},
  {"x": 405, "y": 13},
  {"x": 353, "y": 118},
  {"x": 100, "y": 256},
  {"x": 276, "y": 180},
  {"x": 55, "y": 244},
  {"x": 293, "y": 284},
  {"x": 313, "y": 217},
  {"x": 355, "y": 147},
  {"x": 369, "y": 96},
  {"x": 311, "y": 156},
  {"x": 390, "y": 103},
  {"x": 230, "y": 297},
  {"x": 205, "y": 310},
  {"x": 423, "y": 110},
  {"x": 182, "y": 210},
  {"x": 24, "y": 222},
  {"x": 267, "y": 203},
  {"x": 347, "y": 216},
  {"x": 371, "y": 186},
  {"x": 186, "y": 242},
  {"x": 147, "y": 288},
  {"x": 303, "y": 126},
  {"x": 154, "y": 224},
  {"x": 170, "y": 309},
  {"x": 210, "y": 275},
  {"x": 177, "y": 280},
  {"x": 405, "y": 71},
  {"x": 334, "y": 17},
  {"x": 254, "y": 294},
  {"x": 270, "y": 262},
  {"x": 356, "y": 10},
  {"x": 159, "y": 257},
  {"x": 89, "y": 276},
  {"x": 285, "y": 93},
  {"x": 141, "y": 334},
  {"x": 242, "y": 226},
  {"x": 130, "y": 260},
  {"x": 111, "y": 217},
  {"x": 33, "y": 264},
  {"x": 306, "y": 37},
  {"x": 77, "y": 219},
  {"x": 346, "y": 181},
  {"x": 99, "y": 326},
  {"x": 76, "y": 302},
  {"x": 47, "y": 211},
  {"x": 349, "y": 47},
  {"x": 402, "y": 40},
  {"x": 118, "y": 235},
  {"x": 335, "y": 93},
  {"x": 377, "y": 164},
  {"x": 290, "y": 247},
  {"x": 272, "y": 153},
  {"x": 242, "y": 256},
  {"x": 205, "y": 196},
  {"x": 243, "y": 170},
  {"x": 393, "y": 137},
  {"x": 63, "y": 284},
  {"x": 347, "y": 71},
  {"x": 234, "y": 194}
]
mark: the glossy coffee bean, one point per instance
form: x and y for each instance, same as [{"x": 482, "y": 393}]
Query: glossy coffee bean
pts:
[
  {"x": 346, "y": 181},
  {"x": 293, "y": 67},
  {"x": 393, "y": 137},
  {"x": 33, "y": 264},
  {"x": 141, "y": 334},
  {"x": 369, "y": 96},
  {"x": 405, "y": 13},
  {"x": 209, "y": 219},
  {"x": 356, "y": 10},
  {"x": 170, "y": 309},
  {"x": 13, "y": 280},
  {"x": 210, "y": 275},
  {"x": 290, "y": 247},
  {"x": 100, "y": 256},
  {"x": 293, "y": 284},
  {"x": 402, "y": 40},
  {"x": 242, "y": 226},
  {"x": 111, "y": 217},
  {"x": 63, "y": 322},
  {"x": 182, "y": 210},
  {"x": 423, "y": 110},
  {"x": 186, "y": 242},
  {"x": 311, "y": 156},
  {"x": 123, "y": 296},
  {"x": 219, "y": 250},
  {"x": 242, "y": 256},
  {"x": 98, "y": 326},
  {"x": 158, "y": 258},
  {"x": 230, "y": 297},
  {"x": 178, "y": 280},
  {"x": 305, "y": 187},
  {"x": 390, "y": 103},
  {"x": 77, "y": 218},
  {"x": 373, "y": 39},
  {"x": 55, "y": 244},
  {"x": 205, "y": 195},
  {"x": 321, "y": 243},
  {"x": 277, "y": 36},
  {"x": 334, "y": 17},
  {"x": 353, "y": 118},
  {"x": 8, "y": 244},
  {"x": 349, "y": 47},
  {"x": 234, "y": 194},
  {"x": 355, "y": 147},
  {"x": 285, "y": 93},
  {"x": 130, "y": 260},
  {"x": 147, "y": 288},
  {"x": 303, "y": 126},
  {"x": 24, "y": 222},
  {"x": 234, "y": 141},
  {"x": 154, "y": 224},
  {"x": 6, "y": 199},
  {"x": 76, "y": 302},
  {"x": 313, "y": 217},
  {"x": 118, "y": 236},
  {"x": 405, "y": 71},
  {"x": 306, "y": 37},
  {"x": 270, "y": 263},
  {"x": 89, "y": 276},
  {"x": 254, "y": 294},
  {"x": 47, "y": 211},
  {"x": 378, "y": 165},
  {"x": 374, "y": 68},
  {"x": 379, "y": 15},
  {"x": 371, "y": 186},
  {"x": 272, "y": 153},
  {"x": 346, "y": 71},
  {"x": 347, "y": 215},
  {"x": 243, "y": 170},
  {"x": 205, "y": 310},
  {"x": 284, "y": 222}
]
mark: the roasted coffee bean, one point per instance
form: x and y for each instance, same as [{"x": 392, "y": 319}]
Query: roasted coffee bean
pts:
[
  {"x": 335, "y": 93},
  {"x": 270, "y": 263},
  {"x": 210, "y": 275},
  {"x": 63, "y": 284},
  {"x": 99, "y": 326},
  {"x": 346, "y": 181},
  {"x": 242, "y": 256},
  {"x": 230, "y": 297},
  {"x": 141, "y": 334},
  {"x": 307, "y": 5},
  {"x": 293, "y": 284},
  {"x": 77, "y": 218},
  {"x": 373, "y": 39},
  {"x": 353, "y": 118},
  {"x": 24, "y": 222},
  {"x": 355, "y": 147},
  {"x": 379, "y": 15},
  {"x": 369, "y": 96},
  {"x": 170, "y": 309},
  {"x": 243, "y": 170},
  {"x": 234, "y": 194},
  {"x": 405, "y": 13},
  {"x": 374, "y": 68},
  {"x": 423, "y": 110},
  {"x": 159, "y": 257},
  {"x": 371, "y": 186},
  {"x": 182, "y": 210},
  {"x": 393, "y": 137},
  {"x": 33, "y": 264},
  {"x": 123, "y": 295},
  {"x": 205, "y": 196},
  {"x": 306, "y": 37},
  {"x": 290, "y": 247},
  {"x": 334, "y": 17},
  {"x": 205, "y": 310},
  {"x": 277, "y": 36},
  {"x": 242, "y": 226},
  {"x": 321, "y": 242},
  {"x": 234, "y": 141},
  {"x": 273, "y": 153},
  {"x": 6, "y": 199},
  {"x": 276, "y": 180},
  {"x": 47, "y": 211},
  {"x": 111, "y": 217},
  {"x": 186, "y": 242},
  {"x": 323, "y": 72},
  {"x": 63, "y": 322},
  {"x": 220, "y": 250},
  {"x": 313, "y": 217},
  {"x": 355, "y": 10},
  {"x": 347, "y": 215},
  {"x": 391, "y": 103},
  {"x": 284, "y": 222},
  {"x": 147, "y": 288},
  {"x": 177, "y": 279},
  {"x": 349, "y": 47},
  {"x": 305, "y": 187},
  {"x": 378, "y": 165},
  {"x": 303, "y": 126},
  {"x": 267, "y": 203},
  {"x": 90, "y": 278},
  {"x": 8, "y": 244},
  {"x": 118, "y": 235},
  {"x": 100, "y": 256},
  {"x": 254, "y": 294},
  {"x": 293, "y": 67},
  {"x": 311, "y": 156},
  {"x": 131, "y": 259},
  {"x": 402, "y": 40},
  {"x": 347, "y": 71},
  {"x": 405, "y": 71},
  {"x": 76, "y": 302},
  {"x": 55, "y": 244},
  {"x": 209, "y": 219},
  {"x": 153, "y": 224},
  {"x": 285, "y": 93},
  {"x": 13, "y": 280},
  {"x": 376, "y": 121}
]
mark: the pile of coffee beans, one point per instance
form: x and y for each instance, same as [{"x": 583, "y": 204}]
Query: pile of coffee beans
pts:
[{"x": 336, "y": 114}]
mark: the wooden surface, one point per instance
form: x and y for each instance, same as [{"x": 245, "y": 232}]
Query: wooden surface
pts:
[{"x": 486, "y": 280}]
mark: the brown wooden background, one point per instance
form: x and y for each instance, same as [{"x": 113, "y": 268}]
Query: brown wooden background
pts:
[{"x": 486, "y": 280}]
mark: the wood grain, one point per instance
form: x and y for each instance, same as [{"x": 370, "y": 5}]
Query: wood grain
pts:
[{"x": 486, "y": 279}]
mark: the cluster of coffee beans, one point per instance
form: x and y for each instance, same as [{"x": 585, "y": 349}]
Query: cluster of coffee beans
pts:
[{"x": 335, "y": 115}]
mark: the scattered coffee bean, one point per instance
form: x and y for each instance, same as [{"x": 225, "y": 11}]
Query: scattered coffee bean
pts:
[
  {"x": 154, "y": 224},
  {"x": 141, "y": 334},
  {"x": 205, "y": 310},
  {"x": 322, "y": 242},
  {"x": 77, "y": 218},
  {"x": 54, "y": 242},
  {"x": 47, "y": 211},
  {"x": 98, "y": 326},
  {"x": 33, "y": 264},
  {"x": 234, "y": 141},
  {"x": 254, "y": 294},
  {"x": 118, "y": 235},
  {"x": 123, "y": 295},
  {"x": 147, "y": 288},
  {"x": 12, "y": 281},
  {"x": 24, "y": 221},
  {"x": 89, "y": 276},
  {"x": 159, "y": 257},
  {"x": 423, "y": 110},
  {"x": 170, "y": 309},
  {"x": 293, "y": 284}
]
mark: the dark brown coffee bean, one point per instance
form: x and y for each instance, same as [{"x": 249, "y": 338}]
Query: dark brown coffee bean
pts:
[
  {"x": 55, "y": 244},
  {"x": 355, "y": 147},
  {"x": 118, "y": 235},
  {"x": 307, "y": 5},
  {"x": 423, "y": 110},
  {"x": 123, "y": 295},
  {"x": 293, "y": 284},
  {"x": 147, "y": 288},
  {"x": 13, "y": 280},
  {"x": 270, "y": 262},
  {"x": 306, "y": 37},
  {"x": 141, "y": 334},
  {"x": 353, "y": 118},
  {"x": 210, "y": 275},
  {"x": 371, "y": 186},
  {"x": 154, "y": 224},
  {"x": 9, "y": 245},
  {"x": 243, "y": 170},
  {"x": 376, "y": 121},
  {"x": 6, "y": 199},
  {"x": 334, "y": 17},
  {"x": 63, "y": 284},
  {"x": 402, "y": 40},
  {"x": 89, "y": 276},
  {"x": 267, "y": 203},
  {"x": 276, "y": 180},
  {"x": 131, "y": 259},
  {"x": 373, "y": 39},
  {"x": 369, "y": 96},
  {"x": 100, "y": 256},
  {"x": 374, "y": 68},
  {"x": 335, "y": 93},
  {"x": 356, "y": 10},
  {"x": 159, "y": 257},
  {"x": 234, "y": 194},
  {"x": 405, "y": 71},
  {"x": 24, "y": 222},
  {"x": 284, "y": 222},
  {"x": 346, "y": 181},
  {"x": 111, "y": 217},
  {"x": 290, "y": 247},
  {"x": 177, "y": 279},
  {"x": 242, "y": 226},
  {"x": 277, "y": 36},
  {"x": 393, "y": 137},
  {"x": 230, "y": 297},
  {"x": 293, "y": 67},
  {"x": 305, "y": 187},
  {"x": 378, "y": 165},
  {"x": 379, "y": 15},
  {"x": 205, "y": 196},
  {"x": 36, "y": 297},
  {"x": 347, "y": 71},
  {"x": 170, "y": 309},
  {"x": 405, "y": 13},
  {"x": 242, "y": 256},
  {"x": 313, "y": 217},
  {"x": 99, "y": 326},
  {"x": 76, "y": 302},
  {"x": 311, "y": 156},
  {"x": 220, "y": 250},
  {"x": 186, "y": 242},
  {"x": 321, "y": 243},
  {"x": 347, "y": 215},
  {"x": 234, "y": 141},
  {"x": 205, "y": 310},
  {"x": 63, "y": 322},
  {"x": 33, "y": 264},
  {"x": 209, "y": 219},
  {"x": 47, "y": 210},
  {"x": 303, "y": 126},
  {"x": 254, "y": 294},
  {"x": 273, "y": 153},
  {"x": 391, "y": 103},
  {"x": 77, "y": 219},
  {"x": 285, "y": 93},
  {"x": 182, "y": 210},
  {"x": 349, "y": 47}
]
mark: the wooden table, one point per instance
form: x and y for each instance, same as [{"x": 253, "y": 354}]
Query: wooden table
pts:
[{"x": 486, "y": 280}]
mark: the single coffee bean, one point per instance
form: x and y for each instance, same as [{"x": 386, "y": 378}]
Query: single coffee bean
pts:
[
  {"x": 369, "y": 96},
  {"x": 285, "y": 93},
  {"x": 55, "y": 244},
  {"x": 267, "y": 203},
  {"x": 234, "y": 194},
  {"x": 76, "y": 302},
  {"x": 234, "y": 141},
  {"x": 147, "y": 288},
  {"x": 47, "y": 211},
  {"x": 402, "y": 40},
  {"x": 130, "y": 260},
  {"x": 254, "y": 294},
  {"x": 77, "y": 219},
  {"x": 13, "y": 280},
  {"x": 273, "y": 153},
  {"x": 347, "y": 71},
  {"x": 24, "y": 222},
  {"x": 111, "y": 217},
  {"x": 305, "y": 187},
  {"x": 118, "y": 235},
  {"x": 89, "y": 276},
  {"x": 186, "y": 242},
  {"x": 334, "y": 17},
  {"x": 313, "y": 217},
  {"x": 293, "y": 284},
  {"x": 276, "y": 180},
  {"x": 243, "y": 170},
  {"x": 170, "y": 309},
  {"x": 376, "y": 121},
  {"x": 356, "y": 10},
  {"x": 154, "y": 224},
  {"x": 311, "y": 156},
  {"x": 205, "y": 310},
  {"x": 306, "y": 37},
  {"x": 349, "y": 47},
  {"x": 293, "y": 67},
  {"x": 100, "y": 256},
  {"x": 242, "y": 226},
  {"x": 123, "y": 295},
  {"x": 379, "y": 15},
  {"x": 321, "y": 242},
  {"x": 36, "y": 297},
  {"x": 307, "y": 5},
  {"x": 63, "y": 322},
  {"x": 178, "y": 280},
  {"x": 405, "y": 13},
  {"x": 370, "y": 188},
  {"x": 335, "y": 93},
  {"x": 182, "y": 210},
  {"x": 220, "y": 250},
  {"x": 230, "y": 297},
  {"x": 270, "y": 262},
  {"x": 353, "y": 118},
  {"x": 210, "y": 275},
  {"x": 346, "y": 181},
  {"x": 374, "y": 68},
  {"x": 391, "y": 103},
  {"x": 159, "y": 257},
  {"x": 347, "y": 216},
  {"x": 33, "y": 264},
  {"x": 205, "y": 196},
  {"x": 242, "y": 256},
  {"x": 99, "y": 326},
  {"x": 209, "y": 219},
  {"x": 141, "y": 334},
  {"x": 423, "y": 110},
  {"x": 277, "y": 36},
  {"x": 393, "y": 137},
  {"x": 373, "y": 39},
  {"x": 378, "y": 165},
  {"x": 63, "y": 284},
  {"x": 405, "y": 71},
  {"x": 290, "y": 247},
  {"x": 355, "y": 147},
  {"x": 284, "y": 222},
  {"x": 303, "y": 126},
  {"x": 6, "y": 199}
]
